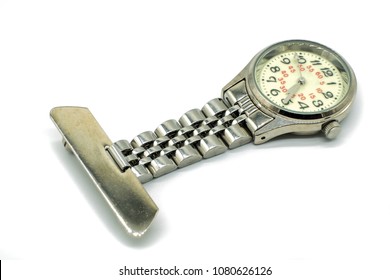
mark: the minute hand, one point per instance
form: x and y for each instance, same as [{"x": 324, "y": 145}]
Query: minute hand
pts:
[{"x": 293, "y": 90}]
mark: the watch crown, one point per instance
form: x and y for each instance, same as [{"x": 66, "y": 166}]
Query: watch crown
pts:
[{"x": 331, "y": 129}]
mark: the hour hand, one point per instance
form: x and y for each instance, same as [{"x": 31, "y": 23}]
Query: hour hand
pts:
[{"x": 293, "y": 90}]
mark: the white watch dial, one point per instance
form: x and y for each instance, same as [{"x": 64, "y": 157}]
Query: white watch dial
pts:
[{"x": 300, "y": 81}]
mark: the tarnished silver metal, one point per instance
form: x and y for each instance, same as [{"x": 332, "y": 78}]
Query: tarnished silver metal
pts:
[
  {"x": 167, "y": 128},
  {"x": 192, "y": 118},
  {"x": 161, "y": 165},
  {"x": 175, "y": 144},
  {"x": 122, "y": 190},
  {"x": 236, "y": 136},
  {"x": 214, "y": 107},
  {"x": 186, "y": 155},
  {"x": 265, "y": 119},
  {"x": 118, "y": 157},
  {"x": 211, "y": 146},
  {"x": 144, "y": 139},
  {"x": 293, "y": 86},
  {"x": 123, "y": 146},
  {"x": 331, "y": 129},
  {"x": 143, "y": 174}
]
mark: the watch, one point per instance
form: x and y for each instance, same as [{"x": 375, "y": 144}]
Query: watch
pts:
[{"x": 293, "y": 86}]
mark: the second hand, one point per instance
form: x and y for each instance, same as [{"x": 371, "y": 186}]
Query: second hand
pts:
[{"x": 293, "y": 90}]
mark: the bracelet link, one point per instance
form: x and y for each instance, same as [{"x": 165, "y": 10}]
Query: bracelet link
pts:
[
  {"x": 186, "y": 155},
  {"x": 175, "y": 144}
]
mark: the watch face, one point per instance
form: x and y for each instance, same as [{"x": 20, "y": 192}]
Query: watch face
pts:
[{"x": 302, "y": 78}]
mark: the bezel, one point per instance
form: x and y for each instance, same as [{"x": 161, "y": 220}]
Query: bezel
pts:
[{"x": 336, "y": 112}]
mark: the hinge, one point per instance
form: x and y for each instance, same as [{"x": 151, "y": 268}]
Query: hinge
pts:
[{"x": 118, "y": 157}]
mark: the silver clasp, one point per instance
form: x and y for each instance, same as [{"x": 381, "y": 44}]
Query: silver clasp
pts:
[{"x": 126, "y": 196}]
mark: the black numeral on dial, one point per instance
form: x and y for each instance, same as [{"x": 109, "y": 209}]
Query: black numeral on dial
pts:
[
  {"x": 285, "y": 61},
  {"x": 271, "y": 79},
  {"x": 302, "y": 105},
  {"x": 318, "y": 103},
  {"x": 301, "y": 59},
  {"x": 327, "y": 94},
  {"x": 316, "y": 62},
  {"x": 327, "y": 72}
]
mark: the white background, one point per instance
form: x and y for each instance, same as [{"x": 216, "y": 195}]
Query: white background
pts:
[{"x": 308, "y": 207}]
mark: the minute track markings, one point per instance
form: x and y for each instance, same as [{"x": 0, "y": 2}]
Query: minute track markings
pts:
[{"x": 279, "y": 82}]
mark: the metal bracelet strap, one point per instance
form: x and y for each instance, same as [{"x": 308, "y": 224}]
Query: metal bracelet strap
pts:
[{"x": 175, "y": 144}]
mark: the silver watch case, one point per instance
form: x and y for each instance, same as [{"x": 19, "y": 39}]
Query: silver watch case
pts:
[{"x": 267, "y": 121}]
